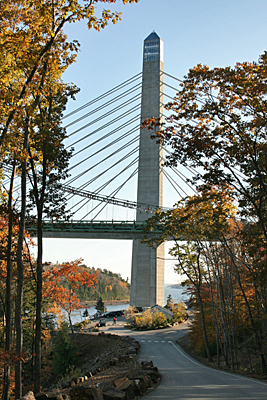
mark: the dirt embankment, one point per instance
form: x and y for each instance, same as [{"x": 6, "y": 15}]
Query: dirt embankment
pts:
[
  {"x": 108, "y": 370},
  {"x": 184, "y": 342}
]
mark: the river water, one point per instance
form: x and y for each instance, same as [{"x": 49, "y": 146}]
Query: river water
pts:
[{"x": 175, "y": 291}]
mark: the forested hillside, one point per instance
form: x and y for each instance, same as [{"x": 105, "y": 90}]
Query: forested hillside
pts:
[{"x": 110, "y": 286}]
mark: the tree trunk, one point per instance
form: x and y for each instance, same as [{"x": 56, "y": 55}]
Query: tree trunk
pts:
[
  {"x": 6, "y": 388},
  {"x": 203, "y": 323},
  {"x": 20, "y": 266},
  {"x": 38, "y": 326},
  {"x": 39, "y": 200}
]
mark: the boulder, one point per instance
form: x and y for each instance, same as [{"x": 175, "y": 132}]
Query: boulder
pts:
[
  {"x": 110, "y": 392},
  {"x": 127, "y": 386},
  {"x": 147, "y": 364},
  {"x": 81, "y": 392},
  {"x": 153, "y": 374},
  {"x": 114, "y": 394},
  {"x": 139, "y": 387},
  {"x": 29, "y": 396}
]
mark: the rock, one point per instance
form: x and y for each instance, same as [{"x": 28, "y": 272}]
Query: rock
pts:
[
  {"x": 139, "y": 387},
  {"x": 29, "y": 396},
  {"x": 127, "y": 386},
  {"x": 98, "y": 395},
  {"x": 147, "y": 364},
  {"x": 147, "y": 381},
  {"x": 114, "y": 394},
  {"x": 105, "y": 385},
  {"x": 153, "y": 374},
  {"x": 83, "y": 393}
]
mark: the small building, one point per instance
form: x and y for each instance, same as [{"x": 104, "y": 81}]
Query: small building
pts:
[{"x": 168, "y": 314}]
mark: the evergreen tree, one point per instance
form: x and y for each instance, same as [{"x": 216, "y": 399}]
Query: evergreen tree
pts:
[{"x": 100, "y": 305}]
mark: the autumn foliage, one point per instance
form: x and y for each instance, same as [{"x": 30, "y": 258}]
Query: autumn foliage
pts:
[
  {"x": 61, "y": 284},
  {"x": 217, "y": 125},
  {"x": 34, "y": 53}
]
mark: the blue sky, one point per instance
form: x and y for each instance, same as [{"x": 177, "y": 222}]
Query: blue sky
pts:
[{"x": 217, "y": 33}]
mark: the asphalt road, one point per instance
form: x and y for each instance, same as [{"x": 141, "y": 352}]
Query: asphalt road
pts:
[{"x": 183, "y": 378}]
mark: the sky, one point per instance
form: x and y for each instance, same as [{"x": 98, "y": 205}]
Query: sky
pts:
[{"x": 216, "y": 33}]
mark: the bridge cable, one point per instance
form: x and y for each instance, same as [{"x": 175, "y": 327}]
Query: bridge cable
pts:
[
  {"x": 111, "y": 195},
  {"x": 132, "y": 100},
  {"x": 172, "y": 184},
  {"x": 138, "y": 86},
  {"x": 116, "y": 88},
  {"x": 117, "y": 140},
  {"x": 107, "y": 124},
  {"x": 85, "y": 185},
  {"x": 115, "y": 192},
  {"x": 104, "y": 185},
  {"x": 136, "y": 127},
  {"x": 135, "y": 139},
  {"x": 108, "y": 169}
]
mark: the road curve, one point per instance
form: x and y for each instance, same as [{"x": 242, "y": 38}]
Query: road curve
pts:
[{"x": 183, "y": 378}]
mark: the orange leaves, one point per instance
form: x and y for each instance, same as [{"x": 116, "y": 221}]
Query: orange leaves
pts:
[
  {"x": 34, "y": 49},
  {"x": 61, "y": 282}
]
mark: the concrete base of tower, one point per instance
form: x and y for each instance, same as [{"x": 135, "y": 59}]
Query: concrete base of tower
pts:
[{"x": 147, "y": 279}]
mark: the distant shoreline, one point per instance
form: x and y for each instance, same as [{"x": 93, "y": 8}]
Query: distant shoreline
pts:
[{"x": 106, "y": 302}]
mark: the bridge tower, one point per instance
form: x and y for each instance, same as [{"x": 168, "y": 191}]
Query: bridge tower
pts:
[{"x": 147, "y": 277}]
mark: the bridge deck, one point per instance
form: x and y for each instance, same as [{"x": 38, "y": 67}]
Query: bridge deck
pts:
[{"x": 93, "y": 229}]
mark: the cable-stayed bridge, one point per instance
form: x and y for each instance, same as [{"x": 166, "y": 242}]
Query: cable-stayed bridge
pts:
[
  {"x": 104, "y": 166},
  {"x": 116, "y": 171}
]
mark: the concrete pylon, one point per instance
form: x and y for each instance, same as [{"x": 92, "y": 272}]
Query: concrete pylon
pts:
[{"x": 147, "y": 277}]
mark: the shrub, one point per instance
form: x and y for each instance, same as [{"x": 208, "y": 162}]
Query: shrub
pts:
[
  {"x": 65, "y": 352},
  {"x": 159, "y": 320},
  {"x": 147, "y": 320},
  {"x": 179, "y": 313}
]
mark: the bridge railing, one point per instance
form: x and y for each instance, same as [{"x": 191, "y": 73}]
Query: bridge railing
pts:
[{"x": 92, "y": 226}]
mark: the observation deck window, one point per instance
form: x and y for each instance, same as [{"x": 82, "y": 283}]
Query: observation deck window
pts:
[{"x": 151, "y": 50}]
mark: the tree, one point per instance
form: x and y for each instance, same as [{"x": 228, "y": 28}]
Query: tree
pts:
[
  {"x": 193, "y": 220},
  {"x": 100, "y": 306},
  {"x": 169, "y": 304},
  {"x": 30, "y": 31},
  {"x": 218, "y": 124},
  {"x": 65, "y": 352},
  {"x": 34, "y": 52},
  {"x": 85, "y": 313},
  {"x": 60, "y": 284},
  {"x": 48, "y": 161}
]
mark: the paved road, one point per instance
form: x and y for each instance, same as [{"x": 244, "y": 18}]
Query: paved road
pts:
[{"x": 183, "y": 378}]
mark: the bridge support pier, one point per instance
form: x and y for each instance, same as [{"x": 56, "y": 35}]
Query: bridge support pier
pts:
[
  {"x": 147, "y": 282},
  {"x": 147, "y": 279}
]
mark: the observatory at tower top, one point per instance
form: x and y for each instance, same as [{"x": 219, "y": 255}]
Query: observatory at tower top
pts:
[{"x": 153, "y": 48}]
